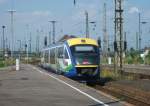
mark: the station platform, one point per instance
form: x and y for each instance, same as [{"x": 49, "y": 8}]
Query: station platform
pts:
[{"x": 33, "y": 86}]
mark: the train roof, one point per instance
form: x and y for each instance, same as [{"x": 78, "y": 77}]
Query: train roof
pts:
[{"x": 76, "y": 41}]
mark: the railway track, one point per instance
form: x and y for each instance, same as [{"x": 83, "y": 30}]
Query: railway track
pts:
[{"x": 126, "y": 93}]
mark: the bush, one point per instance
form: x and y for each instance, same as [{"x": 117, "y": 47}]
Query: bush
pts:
[
  {"x": 7, "y": 62},
  {"x": 2, "y": 64},
  {"x": 133, "y": 57},
  {"x": 147, "y": 59}
]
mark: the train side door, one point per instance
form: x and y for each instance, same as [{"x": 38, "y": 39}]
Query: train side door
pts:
[
  {"x": 66, "y": 60},
  {"x": 42, "y": 57},
  {"x": 60, "y": 56},
  {"x": 63, "y": 59}
]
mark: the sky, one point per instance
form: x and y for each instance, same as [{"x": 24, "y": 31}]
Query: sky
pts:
[{"x": 32, "y": 17}]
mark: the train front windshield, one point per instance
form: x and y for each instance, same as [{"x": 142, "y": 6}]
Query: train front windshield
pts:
[{"x": 85, "y": 54}]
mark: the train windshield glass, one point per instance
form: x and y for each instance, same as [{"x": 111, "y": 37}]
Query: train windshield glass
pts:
[
  {"x": 85, "y": 49},
  {"x": 85, "y": 54}
]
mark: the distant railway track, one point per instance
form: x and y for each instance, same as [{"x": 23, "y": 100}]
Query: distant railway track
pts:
[{"x": 140, "y": 71}]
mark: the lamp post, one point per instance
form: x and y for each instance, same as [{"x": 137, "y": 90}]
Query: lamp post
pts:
[{"x": 3, "y": 41}]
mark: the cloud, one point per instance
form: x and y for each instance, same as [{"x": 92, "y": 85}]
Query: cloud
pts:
[
  {"x": 133, "y": 10},
  {"x": 2, "y": 1}
]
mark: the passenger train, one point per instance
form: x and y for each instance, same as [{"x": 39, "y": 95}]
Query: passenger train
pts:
[{"x": 76, "y": 58}]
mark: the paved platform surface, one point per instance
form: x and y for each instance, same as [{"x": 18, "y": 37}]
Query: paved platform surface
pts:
[{"x": 32, "y": 86}]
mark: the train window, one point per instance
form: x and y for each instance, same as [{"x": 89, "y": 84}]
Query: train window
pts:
[
  {"x": 84, "y": 49},
  {"x": 52, "y": 56},
  {"x": 66, "y": 54},
  {"x": 85, "y": 54},
  {"x": 60, "y": 52}
]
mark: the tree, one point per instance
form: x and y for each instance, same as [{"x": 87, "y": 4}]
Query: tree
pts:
[
  {"x": 133, "y": 57},
  {"x": 147, "y": 58}
]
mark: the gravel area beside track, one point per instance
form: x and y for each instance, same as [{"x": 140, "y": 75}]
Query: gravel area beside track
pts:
[{"x": 136, "y": 92}]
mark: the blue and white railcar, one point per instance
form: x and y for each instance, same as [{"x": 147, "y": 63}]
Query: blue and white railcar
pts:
[{"x": 75, "y": 58}]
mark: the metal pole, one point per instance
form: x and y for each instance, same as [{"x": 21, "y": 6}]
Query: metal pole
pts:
[
  {"x": 87, "y": 24},
  {"x": 137, "y": 39},
  {"x": 105, "y": 36},
  {"x": 27, "y": 50},
  {"x": 74, "y": 2},
  {"x": 139, "y": 32},
  {"x": 30, "y": 43},
  {"x": 37, "y": 42},
  {"x": 12, "y": 30},
  {"x": 53, "y": 24},
  {"x": 19, "y": 49},
  {"x": 49, "y": 37},
  {"x": 115, "y": 40},
  {"x": 119, "y": 32},
  {"x": 3, "y": 42},
  {"x": 121, "y": 37}
]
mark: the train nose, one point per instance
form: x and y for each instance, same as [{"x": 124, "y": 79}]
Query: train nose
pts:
[{"x": 87, "y": 71}]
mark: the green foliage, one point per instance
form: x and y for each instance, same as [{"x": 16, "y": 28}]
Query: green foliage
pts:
[
  {"x": 2, "y": 64},
  {"x": 113, "y": 75},
  {"x": 147, "y": 59},
  {"x": 105, "y": 73},
  {"x": 6, "y": 62},
  {"x": 133, "y": 57}
]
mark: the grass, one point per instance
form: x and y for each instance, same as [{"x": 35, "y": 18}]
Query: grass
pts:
[
  {"x": 113, "y": 76},
  {"x": 30, "y": 60},
  {"x": 107, "y": 73},
  {"x": 2, "y": 64},
  {"x": 6, "y": 62}
]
